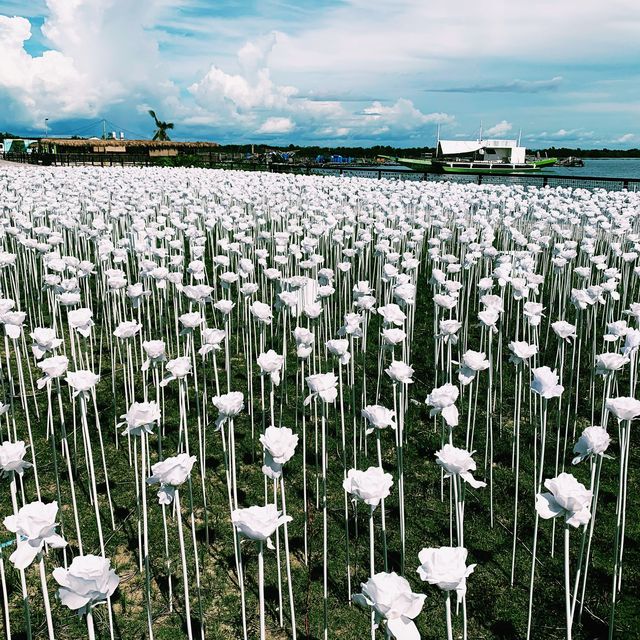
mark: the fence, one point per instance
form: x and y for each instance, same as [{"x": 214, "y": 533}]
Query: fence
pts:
[
  {"x": 390, "y": 173},
  {"x": 211, "y": 160},
  {"x": 534, "y": 179}
]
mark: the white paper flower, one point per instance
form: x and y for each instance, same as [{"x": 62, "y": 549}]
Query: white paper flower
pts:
[
  {"x": 169, "y": 474},
  {"x": 446, "y": 567},
  {"x": 259, "y": 523},
  {"x": 545, "y": 383},
  {"x": 279, "y": 446},
  {"x": 178, "y": 368},
  {"x": 378, "y": 417},
  {"x": 44, "y": 340},
  {"x": 261, "y": 312},
  {"x": 458, "y": 462},
  {"x": 567, "y": 497},
  {"x": 127, "y": 329},
  {"x": 190, "y": 321},
  {"x": 594, "y": 441},
  {"x": 390, "y": 596},
  {"x": 141, "y": 416},
  {"x": 81, "y": 321},
  {"x": 472, "y": 362},
  {"x": 53, "y": 367},
  {"x": 400, "y": 372},
  {"x": 609, "y": 363},
  {"x": 224, "y": 306},
  {"x": 370, "y": 486},
  {"x": 624, "y": 408},
  {"x": 81, "y": 381},
  {"x": 322, "y": 385},
  {"x": 340, "y": 349},
  {"x": 521, "y": 351},
  {"x": 229, "y": 405},
  {"x": 392, "y": 314},
  {"x": 442, "y": 401},
  {"x": 13, "y": 321},
  {"x": 88, "y": 581},
  {"x": 564, "y": 330},
  {"x": 271, "y": 364},
  {"x": 448, "y": 330},
  {"x": 12, "y": 458},
  {"x": 35, "y": 524}
]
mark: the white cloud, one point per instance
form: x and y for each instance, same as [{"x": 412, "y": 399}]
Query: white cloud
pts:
[
  {"x": 277, "y": 125},
  {"x": 627, "y": 137},
  {"x": 241, "y": 99},
  {"x": 433, "y": 35},
  {"x": 499, "y": 130},
  {"x": 99, "y": 53}
]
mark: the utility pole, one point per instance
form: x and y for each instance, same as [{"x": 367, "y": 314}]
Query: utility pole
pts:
[
  {"x": 104, "y": 129},
  {"x": 46, "y": 127}
]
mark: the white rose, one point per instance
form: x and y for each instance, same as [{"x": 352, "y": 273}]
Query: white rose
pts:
[
  {"x": 53, "y": 367},
  {"x": 322, "y": 385},
  {"x": 378, "y": 417},
  {"x": 458, "y": 462},
  {"x": 271, "y": 363},
  {"x": 127, "y": 329},
  {"x": 211, "y": 340},
  {"x": 564, "y": 330},
  {"x": 442, "y": 400},
  {"x": 258, "y": 523},
  {"x": 607, "y": 363},
  {"x": 35, "y": 523},
  {"x": 141, "y": 417},
  {"x": 568, "y": 497},
  {"x": 88, "y": 581},
  {"x": 392, "y": 314},
  {"x": 82, "y": 381},
  {"x": 45, "y": 340},
  {"x": 370, "y": 486},
  {"x": 169, "y": 474},
  {"x": 280, "y": 444},
  {"x": 521, "y": 351},
  {"x": 228, "y": 405},
  {"x": 624, "y": 408},
  {"x": 12, "y": 458},
  {"x": 261, "y": 312},
  {"x": 81, "y": 320},
  {"x": 190, "y": 321},
  {"x": 446, "y": 567},
  {"x": 545, "y": 383},
  {"x": 390, "y": 596},
  {"x": 399, "y": 371},
  {"x": 339, "y": 348},
  {"x": 178, "y": 368},
  {"x": 593, "y": 441}
]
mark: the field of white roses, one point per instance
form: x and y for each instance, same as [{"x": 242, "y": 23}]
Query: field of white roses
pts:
[{"x": 247, "y": 405}]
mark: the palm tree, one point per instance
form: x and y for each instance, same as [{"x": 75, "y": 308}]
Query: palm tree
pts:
[{"x": 161, "y": 131}]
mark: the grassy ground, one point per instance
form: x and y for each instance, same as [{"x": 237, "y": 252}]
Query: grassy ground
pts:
[{"x": 496, "y": 611}]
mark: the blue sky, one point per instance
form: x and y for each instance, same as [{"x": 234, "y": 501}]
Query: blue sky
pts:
[{"x": 336, "y": 72}]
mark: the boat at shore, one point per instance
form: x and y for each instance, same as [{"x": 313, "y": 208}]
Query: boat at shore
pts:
[{"x": 492, "y": 157}]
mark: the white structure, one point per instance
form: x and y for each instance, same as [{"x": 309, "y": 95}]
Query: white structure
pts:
[{"x": 490, "y": 150}]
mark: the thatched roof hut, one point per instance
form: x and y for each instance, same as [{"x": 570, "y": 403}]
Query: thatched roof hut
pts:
[{"x": 154, "y": 148}]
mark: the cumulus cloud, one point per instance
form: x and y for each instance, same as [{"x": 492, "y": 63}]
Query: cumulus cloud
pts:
[
  {"x": 499, "y": 130},
  {"x": 243, "y": 98},
  {"x": 99, "y": 52},
  {"x": 35, "y": 86},
  {"x": 276, "y": 125},
  {"x": 627, "y": 137}
]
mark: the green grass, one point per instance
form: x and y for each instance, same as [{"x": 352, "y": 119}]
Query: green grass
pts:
[{"x": 496, "y": 611}]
